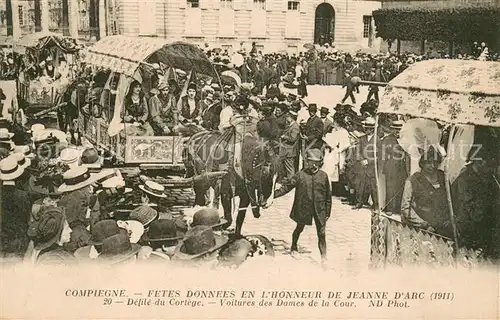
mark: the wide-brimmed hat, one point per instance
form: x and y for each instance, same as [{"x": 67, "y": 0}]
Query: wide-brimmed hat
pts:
[
  {"x": 26, "y": 150},
  {"x": 314, "y": 155},
  {"x": 10, "y": 169},
  {"x": 235, "y": 253},
  {"x": 75, "y": 179},
  {"x": 313, "y": 107},
  {"x": 22, "y": 161},
  {"x": 115, "y": 183},
  {"x": 163, "y": 230},
  {"x": 397, "y": 124},
  {"x": 324, "y": 110},
  {"x": 5, "y": 135},
  {"x": 90, "y": 158},
  {"x": 208, "y": 217},
  {"x": 47, "y": 228},
  {"x": 144, "y": 214},
  {"x": 70, "y": 156},
  {"x": 102, "y": 230},
  {"x": 368, "y": 122},
  {"x": 197, "y": 242},
  {"x": 118, "y": 248},
  {"x": 154, "y": 189}
]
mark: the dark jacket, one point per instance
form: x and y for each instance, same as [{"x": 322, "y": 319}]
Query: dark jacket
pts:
[
  {"x": 314, "y": 130},
  {"x": 312, "y": 196},
  {"x": 185, "y": 109},
  {"x": 290, "y": 140},
  {"x": 16, "y": 210},
  {"x": 268, "y": 128}
]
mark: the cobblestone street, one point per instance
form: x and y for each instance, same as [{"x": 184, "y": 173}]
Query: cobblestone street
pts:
[{"x": 347, "y": 234}]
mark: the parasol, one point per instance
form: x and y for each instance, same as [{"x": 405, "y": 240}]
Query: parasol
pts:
[
  {"x": 417, "y": 135},
  {"x": 230, "y": 77},
  {"x": 454, "y": 91}
]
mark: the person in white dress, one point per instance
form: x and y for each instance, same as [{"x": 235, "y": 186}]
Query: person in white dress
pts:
[{"x": 338, "y": 143}]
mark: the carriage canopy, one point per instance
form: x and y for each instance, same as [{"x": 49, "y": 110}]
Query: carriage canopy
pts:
[
  {"x": 125, "y": 55},
  {"x": 454, "y": 91},
  {"x": 40, "y": 40}
]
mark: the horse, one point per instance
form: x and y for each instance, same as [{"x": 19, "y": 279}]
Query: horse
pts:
[{"x": 207, "y": 151}]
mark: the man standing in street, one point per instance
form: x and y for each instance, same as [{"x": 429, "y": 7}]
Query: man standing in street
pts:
[
  {"x": 312, "y": 200},
  {"x": 289, "y": 147},
  {"x": 327, "y": 123}
]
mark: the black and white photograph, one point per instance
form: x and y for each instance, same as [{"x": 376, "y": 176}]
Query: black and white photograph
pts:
[{"x": 250, "y": 139}]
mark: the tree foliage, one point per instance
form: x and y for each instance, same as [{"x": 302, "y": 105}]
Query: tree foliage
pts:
[{"x": 451, "y": 24}]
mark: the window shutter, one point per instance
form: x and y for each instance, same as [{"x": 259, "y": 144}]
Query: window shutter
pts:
[{"x": 147, "y": 22}]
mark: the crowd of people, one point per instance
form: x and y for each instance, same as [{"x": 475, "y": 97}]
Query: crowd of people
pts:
[{"x": 59, "y": 204}]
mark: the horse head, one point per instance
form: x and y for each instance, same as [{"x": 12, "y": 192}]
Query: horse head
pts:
[{"x": 262, "y": 175}]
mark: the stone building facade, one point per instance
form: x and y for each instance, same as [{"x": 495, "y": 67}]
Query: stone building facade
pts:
[{"x": 274, "y": 25}]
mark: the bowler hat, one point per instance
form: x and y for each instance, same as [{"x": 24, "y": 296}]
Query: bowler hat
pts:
[
  {"x": 207, "y": 217},
  {"x": 313, "y": 107},
  {"x": 314, "y": 155},
  {"x": 197, "y": 242},
  {"x": 324, "y": 110},
  {"x": 162, "y": 230},
  {"x": 102, "y": 230},
  {"x": 118, "y": 248}
]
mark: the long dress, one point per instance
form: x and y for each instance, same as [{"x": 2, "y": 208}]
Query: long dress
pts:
[{"x": 334, "y": 161}]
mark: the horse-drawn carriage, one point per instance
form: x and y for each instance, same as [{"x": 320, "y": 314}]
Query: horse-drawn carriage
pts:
[
  {"x": 135, "y": 59},
  {"x": 453, "y": 105},
  {"x": 44, "y": 75}
]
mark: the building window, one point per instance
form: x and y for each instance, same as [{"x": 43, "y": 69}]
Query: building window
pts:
[
  {"x": 226, "y": 4},
  {"x": 367, "y": 26},
  {"x": 193, "y": 3},
  {"x": 293, "y": 5},
  {"x": 259, "y": 4},
  {"x": 21, "y": 16}
]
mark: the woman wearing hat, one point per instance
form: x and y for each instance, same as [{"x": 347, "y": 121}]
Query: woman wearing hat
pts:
[
  {"x": 48, "y": 234},
  {"x": 424, "y": 204},
  {"x": 78, "y": 200},
  {"x": 16, "y": 208},
  {"x": 135, "y": 111},
  {"x": 190, "y": 106},
  {"x": 313, "y": 200}
]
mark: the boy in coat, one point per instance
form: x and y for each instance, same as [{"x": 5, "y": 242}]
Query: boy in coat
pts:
[{"x": 313, "y": 200}]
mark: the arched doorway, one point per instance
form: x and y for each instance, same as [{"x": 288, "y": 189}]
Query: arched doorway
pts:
[{"x": 324, "y": 24}]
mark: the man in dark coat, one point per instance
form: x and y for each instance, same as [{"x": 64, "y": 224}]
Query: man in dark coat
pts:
[
  {"x": 282, "y": 115},
  {"x": 313, "y": 200},
  {"x": 473, "y": 195},
  {"x": 268, "y": 127},
  {"x": 328, "y": 124},
  {"x": 314, "y": 129},
  {"x": 289, "y": 147},
  {"x": 364, "y": 158}
]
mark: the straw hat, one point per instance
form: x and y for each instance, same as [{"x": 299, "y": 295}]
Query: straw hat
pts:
[
  {"x": 10, "y": 169},
  {"x": 22, "y": 161},
  {"x": 368, "y": 122},
  {"x": 154, "y": 189},
  {"x": 37, "y": 127},
  {"x": 70, "y": 156},
  {"x": 5, "y": 135},
  {"x": 197, "y": 242},
  {"x": 26, "y": 150},
  {"x": 144, "y": 214},
  {"x": 115, "y": 182},
  {"x": 75, "y": 179},
  {"x": 398, "y": 124}
]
